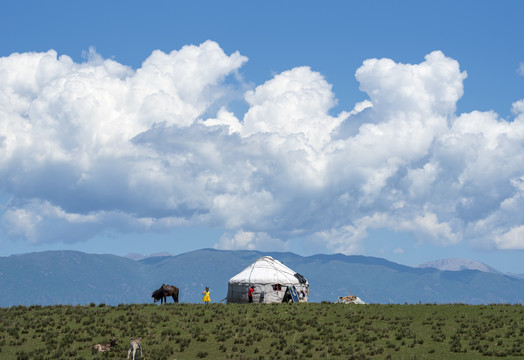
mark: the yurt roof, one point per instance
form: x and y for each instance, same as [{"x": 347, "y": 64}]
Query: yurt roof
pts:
[{"x": 266, "y": 270}]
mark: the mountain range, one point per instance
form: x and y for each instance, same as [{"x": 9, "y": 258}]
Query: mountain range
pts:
[
  {"x": 454, "y": 264},
  {"x": 71, "y": 277}
]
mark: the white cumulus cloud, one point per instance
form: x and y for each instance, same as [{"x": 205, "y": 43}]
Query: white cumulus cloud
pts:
[
  {"x": 91, "y": 147},
  {"x": 245, "y": 240}
]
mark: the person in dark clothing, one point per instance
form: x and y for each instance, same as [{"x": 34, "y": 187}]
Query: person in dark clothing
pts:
[{"x": 250, "y": 293}]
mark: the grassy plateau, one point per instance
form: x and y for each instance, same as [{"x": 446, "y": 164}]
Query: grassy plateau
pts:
[{"x": 256, "y": 331}]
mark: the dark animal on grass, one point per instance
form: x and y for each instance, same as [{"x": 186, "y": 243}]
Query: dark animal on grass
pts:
[
  {"x": 158, "y": 295},
  {"x": 172, "y": 291},
  {"x": 104, "y": 347},
  {"x": 165, "y": 291},
  {"x": 134, "y": 345}
]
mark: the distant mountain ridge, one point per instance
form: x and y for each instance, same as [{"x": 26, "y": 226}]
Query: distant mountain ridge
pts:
[
  {"x": 456, "y": 264},
  {"x": 70, "y": 277},
  {"x": 135, "y": 256}
]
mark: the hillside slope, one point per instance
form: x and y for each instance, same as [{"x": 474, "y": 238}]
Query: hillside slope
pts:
[
  {"x": 69, "y": 277},
  {"x": 456, "y": 264}
]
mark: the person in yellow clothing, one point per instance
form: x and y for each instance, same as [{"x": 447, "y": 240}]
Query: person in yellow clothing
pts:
[{"x": 206, "y": 299}]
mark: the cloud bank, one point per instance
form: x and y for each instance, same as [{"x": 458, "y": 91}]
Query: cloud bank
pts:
[{"x": 95, "y": 147}]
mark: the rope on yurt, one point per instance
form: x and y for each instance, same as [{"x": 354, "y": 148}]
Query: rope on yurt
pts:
[
  {"x": 273, "y": 264},
  {"x": 251, "y": 272}
]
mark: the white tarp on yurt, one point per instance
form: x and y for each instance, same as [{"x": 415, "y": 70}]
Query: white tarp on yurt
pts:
[
  {"x": 351, "y": 299},
  {"x": 270, "y": 278}
]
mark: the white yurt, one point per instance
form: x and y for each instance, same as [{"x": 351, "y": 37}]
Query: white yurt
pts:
[{"x": 270, "y": 279}]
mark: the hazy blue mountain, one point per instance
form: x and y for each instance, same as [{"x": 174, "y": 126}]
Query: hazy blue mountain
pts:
[
  {"x": 518, "y": 276},
  {"x": 456, "y": 264},
  {"x": 134, "y": 256},
  {"x": 69, "y": 277}
]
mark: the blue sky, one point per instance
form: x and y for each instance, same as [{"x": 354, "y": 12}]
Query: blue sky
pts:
[{"x": 375, "y": 128}]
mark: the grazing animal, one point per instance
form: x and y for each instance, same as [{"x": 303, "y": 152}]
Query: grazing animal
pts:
[
  {"x": 172, "y": 291},
  {"x": 158, "y": 295},
  {"x": 104, "y": 347},
  {"x": 134, "y": 345},
  {"x": 165, "y": 291}
]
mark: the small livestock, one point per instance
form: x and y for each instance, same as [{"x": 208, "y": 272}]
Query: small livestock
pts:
[
  {"x": 163, "y": 292},
  {"x": 104, "y": 347},
  {"x": 134, "y": 345}
]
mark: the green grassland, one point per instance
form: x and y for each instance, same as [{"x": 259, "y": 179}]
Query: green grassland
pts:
[{"x": 256, "y": 331}]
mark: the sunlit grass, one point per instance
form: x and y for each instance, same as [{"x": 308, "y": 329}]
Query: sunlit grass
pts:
[{"x": 255, "y": 331}]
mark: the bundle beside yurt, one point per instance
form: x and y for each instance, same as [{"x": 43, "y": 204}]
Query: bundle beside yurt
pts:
[{"x": 272, "y": 282}]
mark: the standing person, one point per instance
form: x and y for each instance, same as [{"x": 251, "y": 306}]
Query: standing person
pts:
[
  {"x": 206, "y": 299},
  {"x": 250, "y": 293}
]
